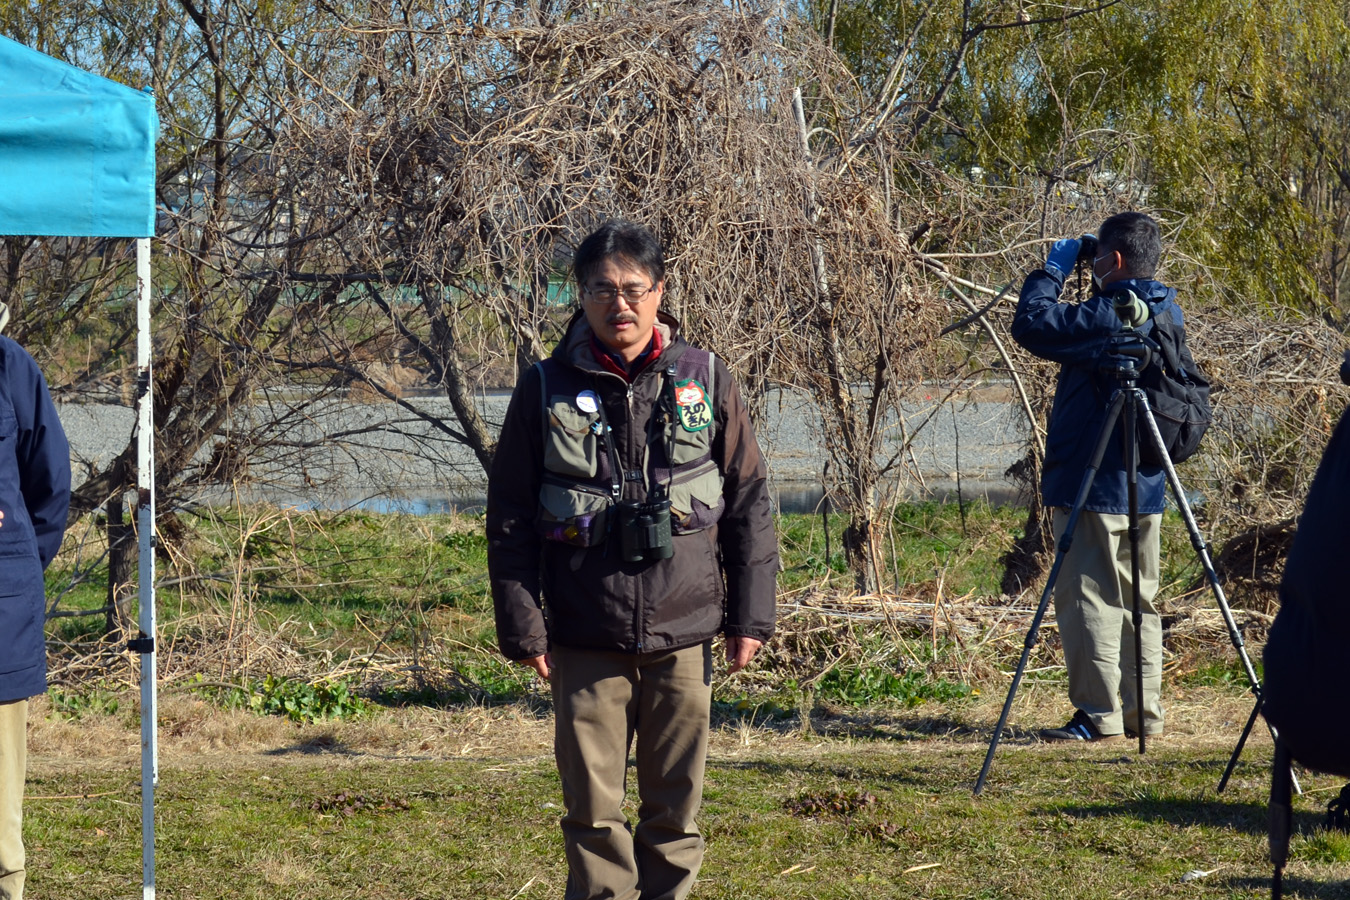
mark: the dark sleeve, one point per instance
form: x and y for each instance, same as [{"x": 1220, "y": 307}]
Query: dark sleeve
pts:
[
  {"x": 513, "y": 543},
  {"x": 745, "y": 532},
  {"x": 43, "y": 455},
  {"x": 1066, "y": 333}
]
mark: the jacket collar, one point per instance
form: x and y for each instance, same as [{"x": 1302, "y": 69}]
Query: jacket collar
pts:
[{"x": 575, "y": 347}]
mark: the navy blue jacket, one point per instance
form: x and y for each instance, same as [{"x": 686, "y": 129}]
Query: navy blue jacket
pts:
[
  {"x": 1078, "y": 337},
  {"x": 1306, "y": 694},
  {"x": 35, "y": 498}
]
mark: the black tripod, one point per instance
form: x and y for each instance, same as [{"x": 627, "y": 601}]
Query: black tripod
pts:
[{"x": 1129, "y": 357}]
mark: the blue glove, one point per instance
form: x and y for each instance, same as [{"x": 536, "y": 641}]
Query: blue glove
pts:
[{"x": 1063, "y": 254}]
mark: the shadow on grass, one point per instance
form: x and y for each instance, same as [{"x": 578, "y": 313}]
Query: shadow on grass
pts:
[
  {"x": 459, "y": 697},
  {"x": 916, "y": 776},
  {"x": 1294, "y": 888},
  {"x": 895, "y": 727},
  {"x": 315, "y": 745},
  {"x": 1182, "y": 812},
  {"x": 836, "y": 722}
]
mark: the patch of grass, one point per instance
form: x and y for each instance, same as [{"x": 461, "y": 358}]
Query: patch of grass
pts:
[
  {"x": 1323, "y": 846},
  {"x": 350, "y": 803},
  {"x": 822, "y": 819},
  {"x": 1220, "y": 670},
  {"x": 921, "y": 542}
]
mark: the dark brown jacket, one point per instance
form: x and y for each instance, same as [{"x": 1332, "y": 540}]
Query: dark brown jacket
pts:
[{"x": 720, "y": 579}]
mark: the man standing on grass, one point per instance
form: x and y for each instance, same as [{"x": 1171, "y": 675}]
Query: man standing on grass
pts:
[
  {"x": 34, "y": 500},
  {"x": 628, "y": 524},
  {"x": 1093, "y": 594}
]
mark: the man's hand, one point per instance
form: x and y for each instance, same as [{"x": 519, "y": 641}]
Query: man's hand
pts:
[
  {"x": 1063, "y": 254},
  {"x": 541, "y": 664},
  {"x": 740, "y": 650}
]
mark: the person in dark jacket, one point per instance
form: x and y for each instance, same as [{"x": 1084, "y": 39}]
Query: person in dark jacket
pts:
[
  {"x": 628, "y": 524},
  {"x": 1093, "y": 598},
  {"x": 1306, "y": 694},
  {"x": 34, "y": 501}
]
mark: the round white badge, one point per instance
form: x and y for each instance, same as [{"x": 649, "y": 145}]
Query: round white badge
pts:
[{"x": 588, "y": 401}]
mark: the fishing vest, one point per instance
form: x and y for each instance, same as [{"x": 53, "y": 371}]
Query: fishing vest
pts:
[{"x": 580, "y": 485}]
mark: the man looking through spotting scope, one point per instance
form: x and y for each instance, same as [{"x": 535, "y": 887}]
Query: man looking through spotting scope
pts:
[
  {"x": 628, "y": 524},
  {"x": 1093, "y": 593}
]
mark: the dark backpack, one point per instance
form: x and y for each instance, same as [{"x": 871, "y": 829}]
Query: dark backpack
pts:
[{"x": 1177, "y": 391}]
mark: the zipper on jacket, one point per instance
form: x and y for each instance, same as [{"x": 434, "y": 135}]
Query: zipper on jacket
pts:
[
  {"x": 697, "y": 470},
  {"x": 561, "y": 481},
  {"x": 637, "y": 582}
]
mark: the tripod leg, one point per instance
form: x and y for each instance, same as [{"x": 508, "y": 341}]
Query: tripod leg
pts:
[
  {"x": 1137, "y": 613},
  {"x": 1062, "y": 550},
  {"x": 1211, "y": 576},
  {"x": 1237, "y": 749},
  {"x": 1281, "y": 816}
]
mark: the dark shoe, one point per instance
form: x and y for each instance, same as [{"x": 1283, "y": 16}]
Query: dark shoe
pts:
[
  {"x": 1079, "y": 728},
  {"x": 1151, "y": 735}
]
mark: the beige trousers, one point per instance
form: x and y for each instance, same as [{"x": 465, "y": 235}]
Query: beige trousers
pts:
[
  {"x": 603, "y": 701},
  {"x": 1094, "y": 608},
  {"x": 13, "y": 768}
]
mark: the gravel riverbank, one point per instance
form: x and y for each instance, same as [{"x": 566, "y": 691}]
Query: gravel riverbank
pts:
[{"x": 338, "y": 453}]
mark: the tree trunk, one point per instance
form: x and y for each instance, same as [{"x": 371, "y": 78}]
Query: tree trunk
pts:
[
  {"x": 1026, "y": 559},
  {"x": 862, "y": 542},
  {"x": 862, "y": 550}
]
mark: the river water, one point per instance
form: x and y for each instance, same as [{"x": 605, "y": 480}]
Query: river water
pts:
[{"x": 380, "y": 457}]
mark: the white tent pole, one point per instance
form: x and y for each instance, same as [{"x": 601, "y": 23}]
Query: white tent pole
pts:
[{"x": 145, "y": 512}]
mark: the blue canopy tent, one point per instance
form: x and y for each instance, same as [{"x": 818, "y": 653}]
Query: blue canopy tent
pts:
[{"x": 77, "y": 159}]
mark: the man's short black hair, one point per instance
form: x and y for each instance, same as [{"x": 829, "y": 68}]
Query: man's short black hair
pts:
[
  {"x": 634, "y": 244},
  {"x": 1137, "y": 237}
]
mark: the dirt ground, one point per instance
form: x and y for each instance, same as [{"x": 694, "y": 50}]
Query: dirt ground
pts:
[{"x": 194, "y": 733}]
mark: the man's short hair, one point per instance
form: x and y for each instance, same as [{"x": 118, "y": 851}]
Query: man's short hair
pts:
[
  {"x": 634, "y": 244},
  {"x": 1137, "y": 237}
]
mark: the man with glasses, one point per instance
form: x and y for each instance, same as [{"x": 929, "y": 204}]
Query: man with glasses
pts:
[
  {"x": 1093, "y": 593},
  {"x": 628, "y": 524}
]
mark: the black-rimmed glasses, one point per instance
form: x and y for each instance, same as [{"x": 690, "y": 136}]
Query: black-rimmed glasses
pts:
[{"x": 603, "y": 296}]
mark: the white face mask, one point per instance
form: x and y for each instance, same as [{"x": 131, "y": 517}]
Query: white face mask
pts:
[{"x": 1097, "y": 279}]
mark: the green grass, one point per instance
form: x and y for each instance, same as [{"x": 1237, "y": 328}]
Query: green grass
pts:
[
  {"x": 823, "y": 819},
  {"x": 922, "y": 542},
  {"x": 856, "y": 800}
]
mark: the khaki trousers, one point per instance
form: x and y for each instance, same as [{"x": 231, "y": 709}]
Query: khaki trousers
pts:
[
  {"x": 602, "y": 702},
  {"x": 1094, "y": 607},
  {"x": 13, "y": 768}
]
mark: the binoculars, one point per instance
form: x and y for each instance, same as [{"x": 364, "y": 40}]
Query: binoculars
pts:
[
  {"x": 644, "y": 530},
  {"x": 1087, "y": 248}
]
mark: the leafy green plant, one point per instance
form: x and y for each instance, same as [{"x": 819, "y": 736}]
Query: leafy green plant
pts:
[
  {"x": 860, "y": 687},
  {"x": 761, "y": 708},
  {"x": 465, "y": 541},
  {"x": 72, "y": 705},
  {"x": 299, "y": 701},
  {"x": 1216, "y": 672}
]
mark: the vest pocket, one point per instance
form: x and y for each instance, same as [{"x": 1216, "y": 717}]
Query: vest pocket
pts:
[
  {"x": 572, "y": 514},
  {"x": 690, "y": 446},
  {"x": 696, "y": 500},
  {"x": 572, "y": 448}
]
